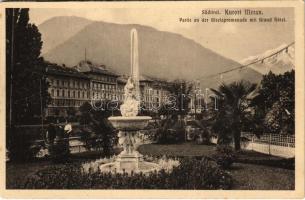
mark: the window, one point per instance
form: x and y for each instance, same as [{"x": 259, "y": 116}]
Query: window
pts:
[
  {"x": 57, "y": 91},
  {"x": 57, "y": 82},
  {"x": 78, "y": 94},
  {"x": 63, "y": 93},
  {"x": 83, "y": 94},
  {"x": 69, "y": 93},
  {"x": 52, "y": 92},
  {"x": 73, "y": 94}
]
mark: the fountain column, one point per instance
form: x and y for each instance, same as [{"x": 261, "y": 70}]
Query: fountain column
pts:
[{"x": 134, "y": 59}]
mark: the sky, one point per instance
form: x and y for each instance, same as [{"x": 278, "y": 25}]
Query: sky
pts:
[{"x": 232, "y": 40}]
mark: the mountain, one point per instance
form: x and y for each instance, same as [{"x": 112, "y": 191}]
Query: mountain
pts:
[
  {"x": 279, "y": 63},
  {"x": 161, "y": 54},
  {"x": 58, "y": 29}
]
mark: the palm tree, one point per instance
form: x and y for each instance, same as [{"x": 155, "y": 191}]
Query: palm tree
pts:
[
  {"x": 180, "y": 90},
  {"x": 233, "y": 110}
]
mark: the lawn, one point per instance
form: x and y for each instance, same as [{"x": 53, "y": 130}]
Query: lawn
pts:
[
  {"x": 184, "y": 149},
  {"x": 16, "y": 172},
  {"x": 259, "y": 177}
]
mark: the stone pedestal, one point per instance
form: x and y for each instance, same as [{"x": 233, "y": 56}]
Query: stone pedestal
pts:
[
  {"x": 129, "y": 158},
  {"x": 128, "y": 162}
]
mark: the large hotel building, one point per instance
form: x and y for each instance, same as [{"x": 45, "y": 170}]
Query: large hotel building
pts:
[{"x": 71, "y": 87}]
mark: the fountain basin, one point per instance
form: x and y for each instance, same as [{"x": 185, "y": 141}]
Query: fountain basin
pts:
[
  {"x": 129, "y": 123},
  {"x": 143, "y": 167}
]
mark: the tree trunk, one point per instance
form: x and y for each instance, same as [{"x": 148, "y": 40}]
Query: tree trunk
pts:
[{"x": 237, "y": 140}]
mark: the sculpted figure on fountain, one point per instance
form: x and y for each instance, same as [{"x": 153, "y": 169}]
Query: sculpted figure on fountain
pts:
[{"x": 130, "y": 107}]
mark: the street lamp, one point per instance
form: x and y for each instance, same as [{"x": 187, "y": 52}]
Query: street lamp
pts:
[{"x": 149, "y": 100}]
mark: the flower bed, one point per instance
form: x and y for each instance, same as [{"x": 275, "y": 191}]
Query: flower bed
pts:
[{"x": 190, "y": 174}]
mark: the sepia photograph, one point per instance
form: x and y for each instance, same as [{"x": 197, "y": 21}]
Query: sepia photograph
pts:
[{"x": 152, "y": 96}]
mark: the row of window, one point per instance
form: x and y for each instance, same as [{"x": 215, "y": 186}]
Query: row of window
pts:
[
  {"x": 69, "y": 83},
  {"x": 69, "y": 93},
  {"x": 67, "y": 102},
  {"x": 105, "y": 78},
  {"x": 86, "y": 94},
  {"x": 103, "y": 86}
]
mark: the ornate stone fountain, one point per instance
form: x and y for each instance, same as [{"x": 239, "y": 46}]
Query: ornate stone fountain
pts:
[{"x": 129, "y": 123}]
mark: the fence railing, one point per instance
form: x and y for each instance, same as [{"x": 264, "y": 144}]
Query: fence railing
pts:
[
  {"x": 273, "y": 139},
  {"x": 272, "y": 144}
]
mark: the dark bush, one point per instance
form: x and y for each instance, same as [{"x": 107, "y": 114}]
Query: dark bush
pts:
[
  {"x": 57, "y": 143},
  {"x": 20, "y": 143},
  {"x": 224, "y": 156},
  {"x": 190, "y": 174},
  {"x": 170, "y": 136}
]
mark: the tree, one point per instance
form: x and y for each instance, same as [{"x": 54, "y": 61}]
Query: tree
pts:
[
  {"x": 233, "y": 110},
  {"x": 179, "y": 98},
  {"x": 26, "y": 82},
  {"x": 101, "y": 133},
  {"x": 26, "y": 86},
  {"x": 275, "y": 104}
]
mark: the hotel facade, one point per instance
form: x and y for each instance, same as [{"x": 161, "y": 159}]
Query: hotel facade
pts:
[{"x": 71, "y": 87}]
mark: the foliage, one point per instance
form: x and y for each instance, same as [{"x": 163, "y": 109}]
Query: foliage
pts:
[
  {"x": 25, "y": 67},
  {"x": 25, "y": 79},
  {"x": 21, "y": 147},
  {"x": 233, "y": 111},
  {"x": 224, "y": 156},
  {"x": 172, "y": 128},
  {"x": 57, "y": 143},
  {"x": 99, "y": 132},
  {"x": 170, "y": 131},
  {"x": 190, "y": 174},
  {"x": 178, "y": 100},
  {"x": 276, "y": 102}
]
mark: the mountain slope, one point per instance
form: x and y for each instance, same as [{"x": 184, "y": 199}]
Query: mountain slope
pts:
[
  {"x": 58, "y": 29},
  {"x": 161, "y": 54},
  {"x": 278, "y": 64}
]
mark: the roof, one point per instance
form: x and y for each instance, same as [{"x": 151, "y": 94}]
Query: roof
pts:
[
  {"x": 55, "y": 69},
  {"x": 87, "y": 66},
  {"x": 143, "y": 78}
]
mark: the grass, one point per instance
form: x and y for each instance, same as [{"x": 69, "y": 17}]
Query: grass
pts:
[
  {"x": 259, "y": 177},
  {"x": 16, "y": 172},
  {"x": 184, "y": 149}
]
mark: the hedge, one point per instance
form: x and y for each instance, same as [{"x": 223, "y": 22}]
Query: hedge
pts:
[{"x": 190, "y": 174}]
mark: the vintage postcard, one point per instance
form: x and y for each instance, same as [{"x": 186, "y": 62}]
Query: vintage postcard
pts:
[{"x": 152, "y": 99}]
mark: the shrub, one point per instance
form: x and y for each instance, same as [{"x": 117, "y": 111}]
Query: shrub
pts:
[
  {"x": 190, "y": 174},
  {"x": 224, "y": 156},
  {"x": 58, "y": 144},
  {"x": 20, "y": 143},
  {"x": 170, "y": 136}
]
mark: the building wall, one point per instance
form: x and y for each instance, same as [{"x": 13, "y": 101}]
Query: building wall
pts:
[
  {"x": 102, "y": 86},
  {"x": 66, "y": 92},
  {"x": 71, "y": 92}
]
